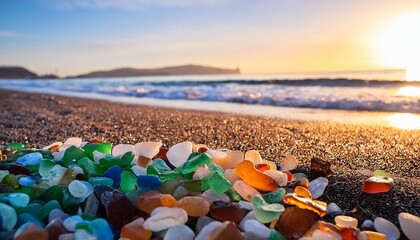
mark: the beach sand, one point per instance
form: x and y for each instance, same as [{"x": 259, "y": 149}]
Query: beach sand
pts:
[{"x": 38, "y": 120}]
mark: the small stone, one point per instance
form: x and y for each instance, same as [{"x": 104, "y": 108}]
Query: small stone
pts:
[
  {"x": 386, "y": 227},
  {"x": 30, "y": 159},
  {"x": 163, "y": 218},
  {"x": 27, "y": 181},
  {"x": 179, "y": 153},
  {"x": 226, "y": 230},
  {"x": 227, "y": 211},
  {"x": 246, "y": 205},
  {"x": 148, "y": 182},
  {"x": 136, "y": 230},
  {"x": 253, "y": 156},
  {"x": 278, "y": 176},
  {"x": 18, "y": 199},
  {"x": 80, "y": 189},
  {"x": 345, "y": 221},
  {"x": 247, "y": 192},
  {"x": 201, "y": 172},
  {"x": 121, "y": 149},
  {"x": 257, "y": 228},
  {"x": 57, "y": 213},
  {"x": 100, "y": 228},
  {"x": 410, "y": 225},
  {"x": 265, "y": 212},
  {"x": 334, "y": 209},
  {"x": 294, "y": 222},
  {"x": 71, "y": 222},
  {"x": 73, "y": 141},
  {"x": 288, "y": 163},
  {"x": 209, "y": 228},
  {"x": 31, "y": 231},
  {"x": 377, "y": 184},
  {"x": 119, "y": 208},
  {"x": 55, "y": 228},
  {"x": 317, "y": 187},
  {"x": 248, "y": 216},
  {"x": 211, "y": 196},
  {"x": 368, "y": 225},
  {"x": 195, "y": 206},
  {"x": 179, "y": 232},
  {"x": 147, "y": 149},
  {"x": 8, "y": 215},
  {"x": 320, "y": 168},
  {"x": 202, "y": 222}
]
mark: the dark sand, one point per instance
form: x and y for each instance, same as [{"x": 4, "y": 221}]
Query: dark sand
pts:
[{"x": 39, "y": 120}]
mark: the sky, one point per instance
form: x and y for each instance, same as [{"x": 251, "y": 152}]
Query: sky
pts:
[{"x": 77, "y": 36}]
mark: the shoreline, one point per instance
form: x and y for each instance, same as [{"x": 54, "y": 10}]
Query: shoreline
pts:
[
  {"x": 359, "y": 117},
  {"x": 40, "y": 119}
]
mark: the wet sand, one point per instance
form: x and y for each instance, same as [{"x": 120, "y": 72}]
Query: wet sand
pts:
[{"x": 39, "y": 119}]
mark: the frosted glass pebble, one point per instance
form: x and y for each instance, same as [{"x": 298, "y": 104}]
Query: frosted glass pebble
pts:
[
  {"x": 3, "y": 173},
  {"x": 178, "y": 153},
  {"x": 201, "y": 172},
  {"x": 59, "y": 155},
  {"x": 253, "y": 156},
  {"x": 333, "y": 208},
  {"x": 386, "y": 227},
  {"x": 317, "y": 187},
  {"x": 121, "y": 149},
  {"x": 247, "y": 192},
  {"x": 82, "y": 234},
  {"x": 345, "y": 221},
  {"x": 27, "y": 181},
  {"x": 410, "y": 224},
  {"x": 52, "y": 145},
  {"x": 211, "y": 196},
  {"x": 80, "y": 189},
  {"x": 248, "y": 216},
  {"x": 71, "y": 222},
  {"x": 288, "y": 163},
  {"x": 73, "y": 141},
  {"x": 278, "y": 176},
  {"x": 179, "y": 232},
  {"x": 30, "y": 159},
  {"x": 163, "y": 217},
  {"x": 257, "y": 228},
  {"x": 147, "y": 149},
  {"x": 18, "y": 199},
  {"x": 231, "y": 175},
  {"x": 98, "y": 156},
  {"x": 246, "y": 205},
  {"x": 207, "y": 230},
  {"x": 202, "y": 222},
  {"x": 8, "y": 213},
  {"x": 137, "y": 170}
]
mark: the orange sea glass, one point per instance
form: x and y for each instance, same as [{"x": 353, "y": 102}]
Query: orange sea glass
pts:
[
  {"x": 247, "y": 172},
  {"x": 299, "y": 199},
  {"x": 262, "y": 167},
  {"x": 377, "y": 184},
  {"x": 148, "y": 201},
  {"x": 136, "y": 231},
  {"x": 348, "y": 233},
  {"x": 374, "y": 235}
]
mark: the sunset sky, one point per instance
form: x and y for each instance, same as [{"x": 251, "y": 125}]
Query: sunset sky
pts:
[{"x": 78, "y": 36}]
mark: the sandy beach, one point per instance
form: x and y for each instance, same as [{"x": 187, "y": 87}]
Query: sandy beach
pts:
[{"x": 38, "y": 120}]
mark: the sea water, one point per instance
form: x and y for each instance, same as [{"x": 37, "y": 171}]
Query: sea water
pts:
[{"x": 373, "y": 91}]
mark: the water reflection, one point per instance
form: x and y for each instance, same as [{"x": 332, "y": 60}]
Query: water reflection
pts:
[
  {"x": 405, "y": 121},
  {"x": 409, "y": 91}
]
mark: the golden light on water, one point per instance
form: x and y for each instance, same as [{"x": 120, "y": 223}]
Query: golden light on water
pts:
[
  {"x": 405, "y": 121},
  {"x": 397, "y": 44},
  {"x": 409, "y": 91}
]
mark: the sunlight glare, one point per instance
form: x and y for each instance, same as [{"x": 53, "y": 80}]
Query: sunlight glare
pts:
[
  {"x": 398, "y": 44},
  {"x": 405, "y": 121},
  {"x": 409, "y": 91}
]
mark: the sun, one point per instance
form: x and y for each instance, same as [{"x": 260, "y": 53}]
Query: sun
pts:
[{"x": 398, "y": 44}]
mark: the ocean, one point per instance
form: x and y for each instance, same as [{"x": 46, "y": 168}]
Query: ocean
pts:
[{"x": 378, "y": 91}]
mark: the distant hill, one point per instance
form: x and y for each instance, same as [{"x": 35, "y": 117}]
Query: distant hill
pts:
[
  {"x": 16, "y": 72},
  {"x": 166, "y": 71}
]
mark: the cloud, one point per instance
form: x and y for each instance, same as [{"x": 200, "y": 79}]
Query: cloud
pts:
[
  {"x": 130, "y": 4},
  {"x": 8, "y": 34}
]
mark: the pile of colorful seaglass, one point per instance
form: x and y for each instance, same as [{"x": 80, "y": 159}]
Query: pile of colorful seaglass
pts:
[{"x": 91, "y": 190}]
